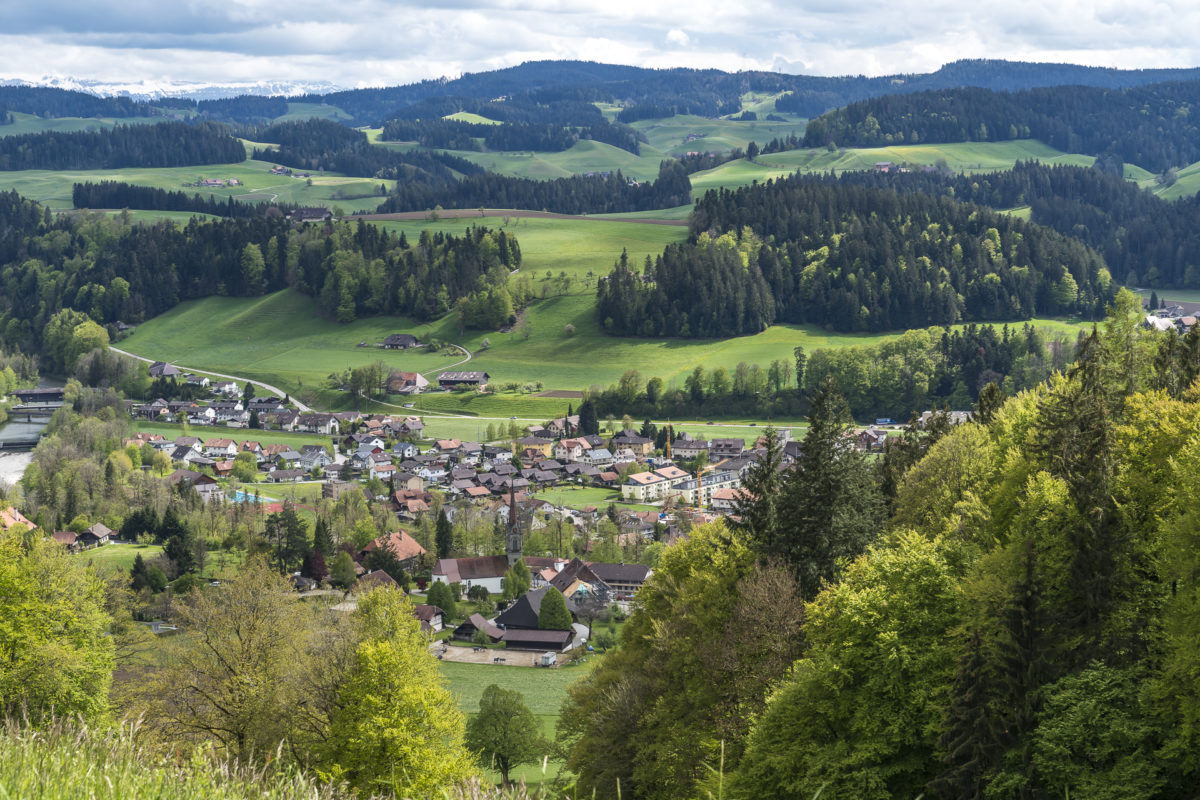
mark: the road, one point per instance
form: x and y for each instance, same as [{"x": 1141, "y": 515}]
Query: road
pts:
[{"x": 272, "y": 389}]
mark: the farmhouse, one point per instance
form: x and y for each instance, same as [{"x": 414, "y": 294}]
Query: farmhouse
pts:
[
  {"x": 161, "y": 369},
  {"x": 10, "y": 517},
  {"x": 406, "y": 382},
  {"x": 451, "y": 380},
  {"x": 311, "y": 215},
  {"x": 485, "y": 571},
  {"x": 406, "y": 548},
  {"x": 400, "y": 341}
]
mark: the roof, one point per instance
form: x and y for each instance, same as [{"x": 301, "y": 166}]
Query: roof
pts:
[
  {"x": 463, "y": 377},
  {"x": 480, "y": 624},
  {"x": 475, "y": 568},
  {"x": 67, "y": 538},
  {"x": 620, "y": 573},
  {"x": 10, "y": 517},
  {"x": 374, "y": 580},
  {"x": 426, "y": 613},
  {"x": 404, "y": 546},
  {"x": 535, "y": 639},
  {"x": 524, "y": 612},
  {"x": 645, "y": 478}
]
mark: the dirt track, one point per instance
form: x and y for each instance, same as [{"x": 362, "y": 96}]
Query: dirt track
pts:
[{"x": 467, "y": 213}]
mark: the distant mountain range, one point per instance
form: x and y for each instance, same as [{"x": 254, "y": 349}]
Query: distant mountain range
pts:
[{"x": 149, "y": 90}]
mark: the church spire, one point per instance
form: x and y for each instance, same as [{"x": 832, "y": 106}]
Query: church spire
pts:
[{"x": 513, "y": 544}]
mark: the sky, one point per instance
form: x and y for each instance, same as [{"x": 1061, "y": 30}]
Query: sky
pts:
[{"x": 355, "y": 43}]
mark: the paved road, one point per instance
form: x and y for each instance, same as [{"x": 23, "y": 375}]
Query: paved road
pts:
[{"x": 272, "y": 389}]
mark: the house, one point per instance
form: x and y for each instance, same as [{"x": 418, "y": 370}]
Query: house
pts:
[
  {"x": 432, "y": 618},
  {"x": 571, "y": 449},
  {"x": 563, "y": 426},
  {"x": 161, "y": 369},
  {"x": 406, "y": 548},
  {"x": 225, "y": 387},
  {"x": 455, "y": 380},
  {"x": 223, "y": 469},
  {"x": 360, "y": 440},
  {"x": 220, "y": 448},
  {"x": 640, "y": 445},
  {"x": 485, "y": 571},
  {"x": 314, "y": 455},
  {"x": 67, "y": 539},
  {"x": 325, "y": 424},
  {"x": 725, "y": 448},
  {"x": 406, "y": 383},
  {"x": 598, "y": 457},
  {"x": 476, "y": 622},
  {"x": 316, "y": 214},
  {"x": 405, "y": 450},
  {"x": 96, "y": 536},
  {"x": 376, "y": 579},
  {"x": 689, "y": 448},
  {"x": 725, "y": 499},
  {"x": 524, "y": 612},
  {"x": 198, "y": 380},
  {"x": 286, "y": 476},
  {"x": 544, "y": 447},
  {"x": 400, "y": 341},
  {"x": 623, "y": 580},
  {"x": 10, "y": 517}
]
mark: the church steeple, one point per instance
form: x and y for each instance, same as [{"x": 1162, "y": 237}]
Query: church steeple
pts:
[{"x": 513, "y": 541}]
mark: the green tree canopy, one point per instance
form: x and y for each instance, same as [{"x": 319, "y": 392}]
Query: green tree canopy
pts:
[
  {"x": 505, "y": 733},
  {"x": 553, "y": 614}
]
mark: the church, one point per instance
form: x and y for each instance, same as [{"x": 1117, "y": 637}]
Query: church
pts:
[{"x": 485, "y": 571}]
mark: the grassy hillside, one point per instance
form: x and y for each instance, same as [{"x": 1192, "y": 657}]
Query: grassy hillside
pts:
[{"x": 31, "y": 123}]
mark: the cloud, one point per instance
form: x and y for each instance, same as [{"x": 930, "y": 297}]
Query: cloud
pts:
[
  {"x": 378, "y": 42},
  {"x": 677, "y": 37}
]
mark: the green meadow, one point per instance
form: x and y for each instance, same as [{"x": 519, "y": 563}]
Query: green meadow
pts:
[{"x": 31, "y": 123}]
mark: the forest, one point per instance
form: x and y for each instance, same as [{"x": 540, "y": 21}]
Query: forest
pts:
[
  {"x": 117, "y": 194},
  {"x": 318, "y": 144},
  {"x": 806, "y": 250},
  {"x": 1005, "y": 608},
  {"x": 917, "y": 370},
  {"x": 543, "y": 137},
  {"x": 164, "y": 144},
  {"x": 110, "y": 269},
  {"x": 579, "y": 194},
  {"x": 1144, "y": 239},
  {"x": 1151, "y": 126}
]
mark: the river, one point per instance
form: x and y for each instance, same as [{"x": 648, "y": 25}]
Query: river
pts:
[{"x": 13, "y": 463}]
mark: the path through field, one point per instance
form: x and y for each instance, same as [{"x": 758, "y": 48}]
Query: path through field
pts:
[{"x": 272, "y": 389}]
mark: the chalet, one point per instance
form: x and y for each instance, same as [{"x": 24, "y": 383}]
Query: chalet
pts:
[
  {"x": 872, "y": 440},
  {"x": 400, "y": 341},
  {"x": 406, "y": 383},
  {"x": 67, "y": 539},
  {"x": 406, "y": 548},
  {"x": 454, "y": 380},
  {"x": 411, "y": 426},
  {"x": 376, "y": 579},
  {"x": 96, "y": 536},
  {"x": 286, "y": 476},
  {"x": 563, "y": 426},
  {"x": 161, "y": 369},
  {"x": 223, "y": 469},
  {"x": 432, "y": 618}
]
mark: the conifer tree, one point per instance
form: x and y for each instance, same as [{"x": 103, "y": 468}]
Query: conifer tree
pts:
[
  {"x": 553, "y": 614},
  {"x": 968, "y": 741},
  {"x": 831, "y": 507},
  {"x": 444, "y": 535},
  {"x": 756, "y": 507}
]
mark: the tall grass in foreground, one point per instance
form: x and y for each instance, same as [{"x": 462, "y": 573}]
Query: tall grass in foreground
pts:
[{"x": 70, "y": 761}]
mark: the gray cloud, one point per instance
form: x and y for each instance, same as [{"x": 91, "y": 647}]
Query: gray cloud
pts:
[{"x": 375, "y": 42}]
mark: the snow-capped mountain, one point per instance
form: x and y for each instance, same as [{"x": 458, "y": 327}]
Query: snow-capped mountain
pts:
[{"x": 151, "y": 89}]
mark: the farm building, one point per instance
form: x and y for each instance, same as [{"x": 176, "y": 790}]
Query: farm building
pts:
[
  {"x": 400, "y": 341},
  {"x": 449, "y": 380}
]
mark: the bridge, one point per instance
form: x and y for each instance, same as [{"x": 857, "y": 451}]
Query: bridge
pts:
[
  {"x": 36, "y": 409},
  {"x": 48, "y": 395}
]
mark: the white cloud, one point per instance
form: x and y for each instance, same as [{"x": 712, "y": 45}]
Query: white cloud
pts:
[
  {"x": 377, "y": 42},
  {"x": 677, "y": 37}
]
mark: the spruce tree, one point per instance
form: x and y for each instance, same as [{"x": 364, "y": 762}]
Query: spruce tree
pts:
[
  {"x": 444, "y": 535},
  {"x": 756, "y": 507},
  {"x": 968, "y": 741},
  {"x": 137, "y": 574},
  {"x": 322, "y": 540},
  {"x": 831, "y": 507},
  {"x": 991, "y": 398},
  {"x": 553, "y": 614}
]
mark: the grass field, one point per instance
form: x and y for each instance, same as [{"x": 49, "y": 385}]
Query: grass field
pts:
[
  {"x": 254, "y": 339},
  {"x": 543, "y": 690},
  {"x": 118, "y": 557},
  {"x": 31, "y": 123},
  {"x": 53, "y": 187}
]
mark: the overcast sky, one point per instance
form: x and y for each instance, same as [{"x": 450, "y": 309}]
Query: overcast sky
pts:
[{"x": 384, "y": 42}]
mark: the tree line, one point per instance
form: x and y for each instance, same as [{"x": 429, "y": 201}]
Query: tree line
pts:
[
  {"x": 578, "y": 194},
  {"x": 1145, "y": 240},
  {"x": 164, "y": 144},
  {"x": 110, "y": 269},
  {"x": 118, "y": 194},
  {"x": 812, "y": 250},
  {"x": 543, "y": 137},
  {"x": 1151, "y": 126},
  {"x": 318, "y": 144}
]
